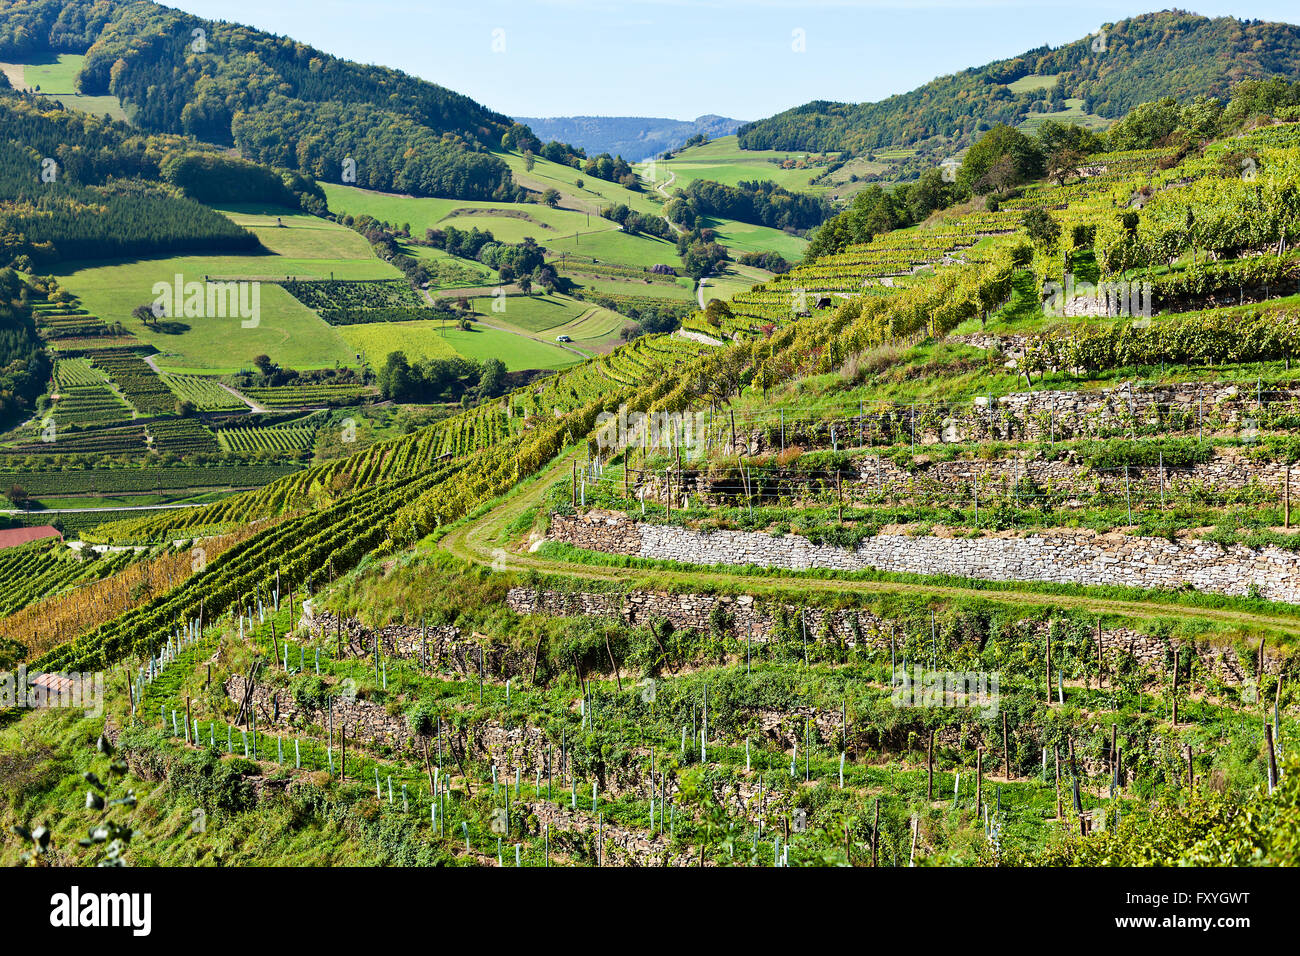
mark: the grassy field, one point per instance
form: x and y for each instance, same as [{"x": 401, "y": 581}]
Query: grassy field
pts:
[
  {"x": 680, "y": 290},
  {"x": 593, "y": 194},
  {"x": 532, "y": 313},
  {"x": 743, "y": 237},
  {"x": 288, "y": 331},
  {"x": 56, "y": 75},
  {"x": 723, "y": 161},
  {"x": 1034, "y": 81},
  {"x": 619, "y": 248},
  {"x": 296, "y": 235},
  {"x": 450, "y": 272},
  {"x": 512, "y": 222},
  {"x": 1073, "y": 113},
  {"x": 428, "y": 339}
]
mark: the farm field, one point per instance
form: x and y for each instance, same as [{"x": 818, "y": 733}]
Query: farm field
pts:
[
  {"x": 55, "y": 75},
  {"x": 289, "y": 332},
  {"x": 591, "y": 196},
  {"x": 512, "y": 222},
  {"x": 723, "y": 161},
  {"x": 427, "y": 339},
  {"x": 299, "y": 236}
]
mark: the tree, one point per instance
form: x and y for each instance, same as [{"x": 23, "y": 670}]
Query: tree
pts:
[
  {"x": 1063, "y": 163},
  {"x": 716, "y": 311},
  {"x": 17, "y": 496},
  {"x": 1003, "y": 157},
  {"x": 492, "y": 379},
  {"x": 551, "y": 197},
  {"x": 1042, "y": 228},
  {"x": 264, "y": 364}
]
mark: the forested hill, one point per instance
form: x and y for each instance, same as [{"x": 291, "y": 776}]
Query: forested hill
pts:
[
  {"x": 1171, "y": 53},
  {"x": 632, "y": 137},
  {"x": 279, "y": 101}
]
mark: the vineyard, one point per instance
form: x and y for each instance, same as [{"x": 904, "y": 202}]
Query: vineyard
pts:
[
  {"x": 886, "y": 561},
  {"x": 41, "y": 570},
  {"x": 138, "y": 382},
  {"x": 290, "y": 439},
  {"x": 308, "y": 396},
  {"x": 206, "y": 394}
]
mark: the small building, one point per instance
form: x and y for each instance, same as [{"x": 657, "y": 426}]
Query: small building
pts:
[{"x": 11, "y": 537}]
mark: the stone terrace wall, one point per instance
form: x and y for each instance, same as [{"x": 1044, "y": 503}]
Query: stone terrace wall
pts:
[
  {"x": 1063, "y": 557},
  {"x": 1228, "y": 470},
  {"x": 849, "y": 626},
  {"x": 1026, "y": 415}
]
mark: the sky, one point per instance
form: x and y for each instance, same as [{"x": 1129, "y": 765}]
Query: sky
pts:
[{"x": 682, "y": 58}]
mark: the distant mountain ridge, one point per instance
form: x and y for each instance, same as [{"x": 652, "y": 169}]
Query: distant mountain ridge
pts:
[
  {"x": 632, "y": 137},
  {"x": 1171, "y": 53}
]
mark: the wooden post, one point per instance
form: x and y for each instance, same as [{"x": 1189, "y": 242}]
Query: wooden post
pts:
[
  {"x": 839, "y": 500},
  {"x": 343, "y": 751},
  {"x": 188, "y": 721},
  {"x": 1272, "y": 757},
  {"x": 979, "y": 780},
  {"x": 574, "y": 490},
  {"x": 1175, "y": 691},
  {"x": 668, "y": 497},
  {"x": 610, "y": 651},
  {"x": 1100, "y": 661},
  {"x": 1074, "y": 777},
  {"x": 929, "y": 765},
  {"x": 735, "y": 449},
  {"x": 1056, "y": 755},
  {"x": 1114, "y": 752},
  {"x": 1287, "y": 507},
  {"x": 1006, "y": 749},
  {"x": 1049, "y": 663},
  {"x": 875, "y": 836},
  {"x": 1191, "y": 775}
]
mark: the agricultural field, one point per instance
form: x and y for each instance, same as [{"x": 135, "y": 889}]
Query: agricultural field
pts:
[
  {"x": 509, "y": 222},
  {"x": 207, "y": 394},
  {"x": 287, "y": 330},
  {"x": 54, "y": 76},
  {"x": 721, "y": 160},
  {"x": 430, "y": 339},
  {"x": 963, "y": 544},
  {"x": 593, "y": 195},
  {"x": 288, "y": 439}
]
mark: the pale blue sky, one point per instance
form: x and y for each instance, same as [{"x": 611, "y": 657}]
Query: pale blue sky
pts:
[{"x": 681, "y": 58}]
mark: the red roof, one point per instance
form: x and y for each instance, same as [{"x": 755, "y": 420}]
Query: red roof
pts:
[{"x": 12, "y": 536}]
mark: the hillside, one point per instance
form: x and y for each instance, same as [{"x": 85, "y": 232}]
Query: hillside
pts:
[
  {"x": 632, "y": 137},
  {"x": 230, "y": 84},
  {"x": 1102, "y": 76},
  {"x": 531, "y": 530},
  {"x": 932, "y": 453}
]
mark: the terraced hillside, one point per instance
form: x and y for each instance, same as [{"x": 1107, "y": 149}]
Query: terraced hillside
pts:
[{"x": 914, "y": 554}]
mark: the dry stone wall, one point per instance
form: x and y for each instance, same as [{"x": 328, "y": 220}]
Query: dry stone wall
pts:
[
  {"x": 1061, "y": 556},
  {"x": 1186, "y": 408},
  {"x": 853, "y": 628}
]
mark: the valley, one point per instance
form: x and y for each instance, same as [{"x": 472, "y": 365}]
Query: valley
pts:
[{"x": 896, "y": 484}]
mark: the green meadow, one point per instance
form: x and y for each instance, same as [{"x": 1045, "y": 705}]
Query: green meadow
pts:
[
  {"x": 430, "y": 339},
  {"x": 56, "y": 78},
  {"x": 289, "y": 332}
]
